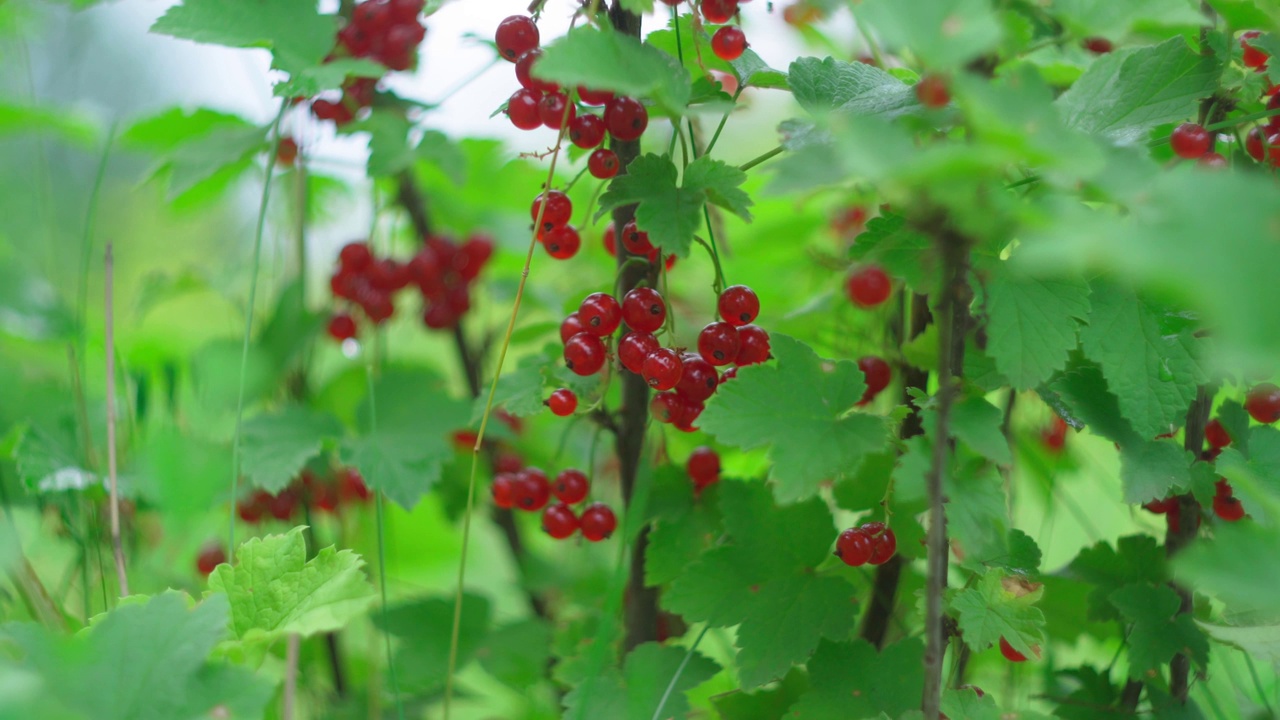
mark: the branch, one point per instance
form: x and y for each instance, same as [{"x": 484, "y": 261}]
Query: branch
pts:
[
  {"x": 1175, "y": 541},
  {"x": 114, "y": 489}
]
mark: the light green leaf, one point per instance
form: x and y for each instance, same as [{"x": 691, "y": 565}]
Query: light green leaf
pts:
[
  {"x": 800, "y": 408},
  {"x": 276, "y": 446},
  {"x": 899, "y": 250},
  {"x": 18, "y": 119},
  {"x": 1158, "y": 630},
  {"x": 720, "y": 182},
  {"x": 1226, "y": 566},
  {"x": 788, "y": 618},
  {"x": 1260, "y": 641},
  {"x": 389, "y": 150},
  {"x": 275, "y": 590},
  {"x": 999, "y": 606},
  {"x": 297, "y": 34},
  {"x": 397, "y": 463},
  {"x": 945, "y": 34},
  {"x": 890, "y": 681},
  {"x": 423, "y": 627},
  {"x": 607, "y": 60},
  {"x": 857, "y": 88},
  {"x": 1032, "y": 324}
]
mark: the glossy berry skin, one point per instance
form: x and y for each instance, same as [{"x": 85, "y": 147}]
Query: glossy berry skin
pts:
[
  {"x": 699, "y": 379},
  {"x": 1190, "y": 141},
  {"x": 531, "y": 490},
  {"x": 753, "y": 345},
  {"x": 584, "y": 354},
  {"x": 342, "y": 327},
  {"x": 586, "y": 131},
  {"x": 634, "y": 348},
  {"x": 1212, "y": 160},
  {"x": 551, "y": 110},
  {"x": 718, "y": 343},
  {"x": 868, "y": 287},
  {"x": 662, "y": 369},
  {"x": 562, "y": 402},
  {"x": 643, "y": 309},
  {"x": 600, "y": 314},
  {"x": 1263, "y": 403},
  {"x": 503, "y": 490},
  {"x": 1216, "y": 435},
  {"x": 1272, "y": 148},
  {"x": 883, "y": 542},
  {"x": 603, "y": 163},
  {"x": 559, "y": 210},
  {"x": 524, "y": 74},
  {"x": 932, "y": 92},
  {"x": 1009, "y": 653},
  {"x": 625, "y": 118},
  {"x": 562, "y": 242},
  {"x": 210, "y": 557},
  {"x": 598, "y": 522},
  {"x": 571, "y": 486},
  {"x": 522, "y": 109},
  {"x": 729, "y": 43},
  {"x": 703, "y": 467},
  {"x": 1228, "y": 508},
  {"x": 877, "y": 374},
  {"x": 515, "y": 36},
  {"x": 718, "y": 11},
  {"x": 854, "y": 548},
  {"x": 559, "y": 521},
  {"x": 594, "y": 97},
  {"x": 635, "y": 240},
  {"x": 571, "y": 326},
  {"x": 1253, "y": 57},
  {"x": 738, "y": 305}
]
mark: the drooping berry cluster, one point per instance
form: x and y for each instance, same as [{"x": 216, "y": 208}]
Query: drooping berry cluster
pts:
[
  {"x": 869, "y": 543},
  {"x": 529, "y": 489},
  {"x": 327, "y": 494},
  {"x": 636, "y": 242},
  {"x": 386, "y": 31},
  {"x": 442, "y": 272},
  {"x": 560, "y": 239},
  {"x": 1194, "y": 142}
]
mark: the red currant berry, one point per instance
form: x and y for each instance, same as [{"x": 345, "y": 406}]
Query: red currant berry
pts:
[
  {"x": 594, "y": 97},
  {"x": 738, "y": 305},
  {"x": 1228, "y": 508},
  {"x": 531, "y": 490},
  {"x": 508, "y": 462},
  {"x": 718, "y": 343},
  {"x": 598, "y": 522},
  {"x": 665, "y": 407},
  {"x": 729, "y": 43},
  {"x": 211, "y": 556},
  {"x": 1263, "y": 403},
  {"x": 877, "y": 374},
  {"x": 687, "y": 411},
  {"x": 251, "y": 508},
  {"x": 351, "y": 485},
  {"x": 699, "y": 379},
  {"x": 282, "y": 504},
  {"x": 883, "y": 542},
  {"x": 635, "y": 240},
  {"x": 551, "y": 110},
  {"x": 571, "y": 326},
  {"x": 339, "y": 113},
  {"x": 600, "y": 314},
  {"x": 662, "y": 369},
  {"x": 571, "y": 486},
  {"x": 1160, "y": 507},
  {"x": 562, "y": 242},
  {"x": 625, "y": 118},
  {"x": 586, "y": 131},
  {"x": 1190, "y": 141},
  {"x": 703, "y": 467},
  {"x": 342, "y": 327},
  {"x": 559, "y": 210},
  {"x": 1216, "y": 435},
  {"x": 868, "y": 287},
  {"x": 643, "y": 309},
  {"x": 522, "y": 109},
  {"x": 355, "y": 257},
  {"x": 634, "y": 348},
  {"x": 524, "y": 74},
  {"x": 1054, "y": 437},
  {"x": 1009, "y": 653},
  {"x": 1253, "y": 144},
  {"x": 718, "y": 11},
  {"x": 287, "y": 151},
  {"x": 515, "y": 36},
  {"x": 563, "y": 402},
  {"x": 603, "y": 164},
  {"x": 854, "y": 548},
  {"x": 559, "y": 521},
  {"x": 1253, "y": 57},
  {"x": 1212, "y": 160},
  {"x": 584, "y": 354},
  {"x": 932, "y": 92},
  {"x": 753, "y": 345},
  {"x": 1273, "y": 149},
  {"x": 1097, "y": 45}
]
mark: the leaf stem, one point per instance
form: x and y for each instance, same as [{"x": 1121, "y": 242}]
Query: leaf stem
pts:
[
  {"x": 762, "y": 158},
  {"x": 671, "y": 686},
  {"x": 114, "y": 489},
  {"x": 724, "y": 119}
]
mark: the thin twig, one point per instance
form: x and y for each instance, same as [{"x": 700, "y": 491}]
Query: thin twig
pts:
[
  {"x": 757, "y": 160},
  {"x": 114, "y": 489},
  {"x": 675, "y": 678}
]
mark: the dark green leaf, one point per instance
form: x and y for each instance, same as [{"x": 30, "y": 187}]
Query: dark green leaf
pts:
[
  {"x": 829, "y": 84},
  {"x": 1032, "y": 324},
  {"x": 1158, "y": 630},
  {"x": 1000, "y": 606},
  {"x": 1136, "y": 558},
  {"x": 297, "y": 34},
  {"x": 852, "y": 680}
]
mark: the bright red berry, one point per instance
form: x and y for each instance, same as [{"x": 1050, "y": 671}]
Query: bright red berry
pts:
[
  {"x": 644, "y": 310},
  {"x": 562, "y": 242},
  {"x": 571, "y": 326},
  {"x": 738, "y": 305},
  {"x": 703, "y": 467},
  {"x": 1227, "y": 508},
  {"x": 355, "y": 257},
  {"x": 603, "y": 163},
  {"x": 282, "y": 504},
  {"x": 1009, "y": 653},
  {"x": 625, "y": 118},
  {"x": 634, "y": 348},
  {"x": 1253, "y": 144},
  {"x": 584, "y": 354},
  {"x": 1263, "y": 403},
  {"x": 635, "y": 240},
  {"x": 1253, "y": 57},
  {"x": 504, "y": 489},
  {"x": 559, "y": 521},
  {"x": 718, "y": 11},
  {"x": 753, "y": 345},
  {"x": 598, "y": 522},
  {"x": 610, "y": 240},
  {"x": 522, "y": 109},
  {"x": 339, "y": 113},
  {"x": 877, "y": 374},
  {"x": 524, "y": 74},
  {"x": 1190, "y": 141},
  {"x": 686, "y": 412},
  {"x": 531, "y": 490},
  {"x": 1212, "y": 160},
  {"x": 351, "y": 485},
  {"x": 508, "y": 462},
  {"x": 552, "y": 108},
  {"x": 563, "y": 402},
  {"x": 665, "y": 407},
  {"x": 515, "y": 36},
  {"x": 571, "y": 486},
  {"x": 718, "y": 343},
  {"x": 854, "y": 548},
  {"x": 868, "y": 287},
  {"x": 932, "y": 91},
  {"x": 342, "y": 327},
  {"x": 662, "y": 369},
  {"x": 1216, "y": 435},
  {"x": 883, "y": 542},
  {"x": 1273, "y": 148},
  {"x": 1054, "y": 437},
  {"x": 211, "y": 556},
  {"x": 594, "y": 97},
  {"x": 586, "y": 131},
  {"x": 600, "y": 314},
  {"x": 1097, "y": 45},
  {"x": 699, "y": 379},
  {"x": 729, "y": 43},
  {"x": 559, "y": 210}
]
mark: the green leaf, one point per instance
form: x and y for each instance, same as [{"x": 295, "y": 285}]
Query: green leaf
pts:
[
  {"x": 720, "y": 182},
  {"x": 276, "y": 446},
  {"x": 945, "y": 34},
  {"x": 1089, "y": 402},
  {"x": 1226, "y": 566},
  {"x": 437, "y": 149},
  {"x": 18, "y": 119},
  {"x": 788, "y": 617},
  {"x": 669, "y": 213},
  {"x": 977, "y": 422},
  {"x": 515, "y": 653},
  {"x": 639, "y": 7},
  {"x": 389, "y": 150},
  {"x": 1110, "y": 19},
  {"x": 798, "y": 407},
  {"x": 684, "y": 525},
  {"x": 976, "y": 514},
  {"x": 197, "y": 149},
  {"x": 1000, "y": 606},
  {"x": 899, "y": 250},
  {"x": 311, "y": 81},
  {"x": 182, "y": 475},
  {"x": 297, "y": 34},
  {"x": 1158, "y": 630},
  {"x": 1262, "y": 642},
  {"x": 1125, "y": 93},
  {"x": 1032, "y": 324},
  {"x": 1136, "y": 558},
  {"x": 423, "y": 628},
  {"x": 636, "y": 693},
  {"x": 275, "y": 590},
  {"x": 1150, "y": 470},
  {"x": 1153, "y": 375},
  {"x": 607, "y": 60},
  {"x": 852, "y": 680},
  {"x": 765, "y": 704},
  {"x": 834, "y": 85},
  {"x": 48, "y": 460}
]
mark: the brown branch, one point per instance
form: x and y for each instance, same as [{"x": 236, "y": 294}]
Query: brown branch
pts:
[{"x": 1178, "y": 538}]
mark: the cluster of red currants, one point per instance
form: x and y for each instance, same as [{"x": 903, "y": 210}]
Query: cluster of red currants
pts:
[
  {"x": 442, "y": 271},
  {"x": 1194, "y": 142},
  {"x": 868, "y": 543},
  {"x": 322, "y": 493},
  {"x": 703, "y": 467},
  {"x": 728, "y": 42},
  {"x": 530, "y": 490},
  {"x": 636, "y": 242},
  {"x": 560, "y": 239},
  {"x": 540, "y": 103},
  {"x": 387, "y": 31}
]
